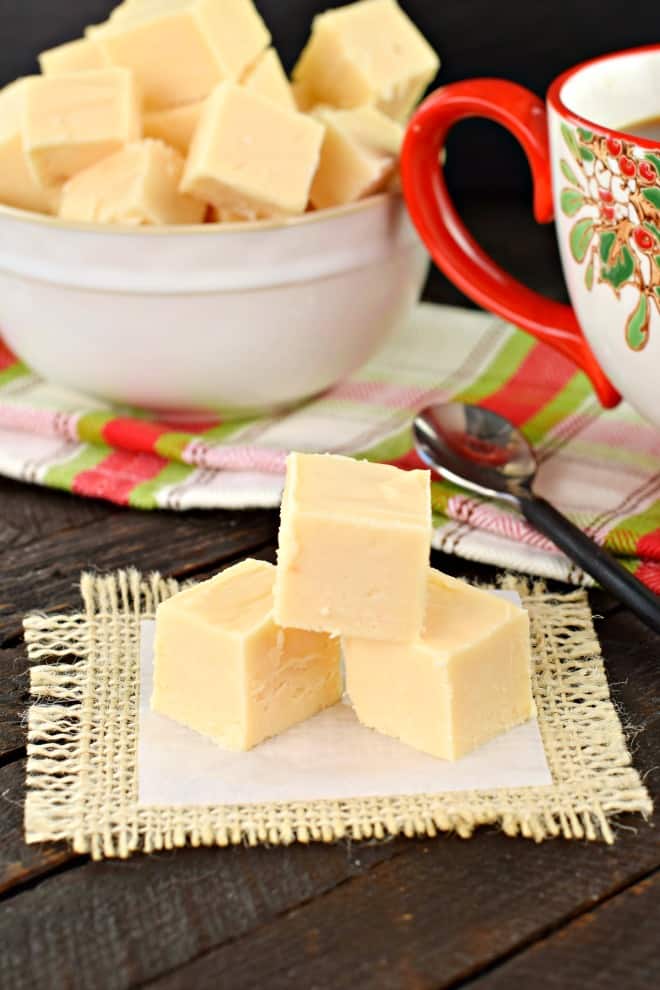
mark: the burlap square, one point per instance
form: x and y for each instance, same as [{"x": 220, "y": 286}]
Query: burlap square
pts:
[{"x": 82, "y": 743}]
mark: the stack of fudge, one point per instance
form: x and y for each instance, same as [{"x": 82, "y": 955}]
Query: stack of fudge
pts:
[
  {"x": 179, "y": 111},
  {"x": 428, "y": 659}
]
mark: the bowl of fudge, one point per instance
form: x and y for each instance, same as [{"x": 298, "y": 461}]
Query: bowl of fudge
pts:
[{"x": 183, "y": 226}]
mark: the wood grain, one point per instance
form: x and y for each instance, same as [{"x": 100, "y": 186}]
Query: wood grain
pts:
[
  {"x": 32, "y": 512},
  {"x": 428, "y": 918},
  {"x": 13, "y": 700},
  {"x": 117, "y": 924},
  {"x": 44, "y": 575},
  {"x": 20, "y": 863},
  {"x": 612, "y": 948}
]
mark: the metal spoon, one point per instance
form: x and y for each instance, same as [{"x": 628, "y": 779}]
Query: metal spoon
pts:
[{"x": 483, "y": 452}]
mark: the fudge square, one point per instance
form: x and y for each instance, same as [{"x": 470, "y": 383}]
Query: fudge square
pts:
[
  {"x": 354, "y": 547},
  {"x": 73, "y": 120},
  {"x": 252, "y": 157},
  {"x": 463, "y": 681},
  {"x": 137, "y": 185},
  {"x": 180, "y": 49},
  {"x": 224, "y": 668},
  {"x": 368, "y": 52},
  {"x": 18, "y": 184},
  {"x": 359, "y": 155}
]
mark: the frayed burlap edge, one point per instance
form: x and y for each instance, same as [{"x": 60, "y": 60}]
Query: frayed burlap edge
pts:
[{"x": 82, "y": 743}]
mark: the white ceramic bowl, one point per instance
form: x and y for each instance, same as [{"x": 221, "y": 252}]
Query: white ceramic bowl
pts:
[{"x": 239, "y": 317}]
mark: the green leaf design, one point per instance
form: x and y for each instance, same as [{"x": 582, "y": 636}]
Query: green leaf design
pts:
[
  {"x": 654, "y": 159},
  {"x": 620, "y": 271},
  {"x": 569, "y": 138},
  {"x": 653, "y": 196},
  {"x": 580, "y": 238},
  {"x": 568, "y": 172},
  {"x": 585, "y": 135},
  {"x": 607, "y": 239},
  {"x": 589, "y": 275},
  {"x": 586, "y": 154},
  {"x": 571, "y": 201},
  {"x": 637, "y": 325}
]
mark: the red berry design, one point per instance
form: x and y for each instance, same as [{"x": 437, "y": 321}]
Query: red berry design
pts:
[
  {"x": 627, "y": 166},
  {"x": 643, "y": 239},
  {"x": 648, "y": 171},
  {"x": 621, "y": 244}
]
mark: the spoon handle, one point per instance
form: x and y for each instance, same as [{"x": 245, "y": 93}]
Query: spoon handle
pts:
[{"x": 593, "y": 559}]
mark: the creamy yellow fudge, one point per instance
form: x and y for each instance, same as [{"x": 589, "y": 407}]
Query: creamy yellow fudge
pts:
[
  {"x": 365, "y": 52},
  {"x": 464, "y": 680},
  {"x": 267, "y": 78},
  {"x": 251, "y": 157},
  {"x": 359, "y": 155},
  {"x": 224, "y": 667},
  {"x": 180, "y": 49},
  {"x": 80, "y": 55},
  {"x": 354, "y": 547},
  {"x": 73, "y": 120},
  {"x": 18, "y": 184},
  {"x": 137, "y": 185},
  {"x": 175, "y": 126}
]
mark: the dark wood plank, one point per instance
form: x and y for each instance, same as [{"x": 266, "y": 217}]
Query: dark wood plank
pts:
[
  {"x": 13, "y": 700},
  {"x": 426, "y": 919},
  {"x": 20, "y": 863},
  {"x": 29, "y": 511},
  {"x": 613, "y": 947},
  {"x": 44, "y": 575},
  {"x": 632, "y": 660},
  {"x": 116, "y": 924}
]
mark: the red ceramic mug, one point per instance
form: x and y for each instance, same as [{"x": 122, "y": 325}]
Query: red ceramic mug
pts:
[{"x": 602, "y": 184}]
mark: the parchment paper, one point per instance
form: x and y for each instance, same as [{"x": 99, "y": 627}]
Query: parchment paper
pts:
[{"x": 329, "y": 756}]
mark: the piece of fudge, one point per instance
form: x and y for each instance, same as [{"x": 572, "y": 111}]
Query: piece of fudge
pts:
[
  {"x": 180, "y": 49},
  {"x": 267, "y": 78},
  {"x": 251, "y": 157},
  {"x": 359, "y": 155},
  {"x": 73, "y": 120},
  {"x": 80, "y": 55},
  {"x": 224, "y": 667},
  {"x": 175, "y": 126},
  {"x": 466, "y": 679},
  {"x": 365, "y": 52},
  {"x": 18, "y": 185},
  {"x": 137, "y": 185},
  {"x": 354, "y": 547}
]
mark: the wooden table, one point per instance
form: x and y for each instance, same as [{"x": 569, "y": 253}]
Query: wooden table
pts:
[{"x": 489, "y": 912}]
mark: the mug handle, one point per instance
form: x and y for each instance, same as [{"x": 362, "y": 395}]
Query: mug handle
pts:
[{"x": 452, "y": 247}]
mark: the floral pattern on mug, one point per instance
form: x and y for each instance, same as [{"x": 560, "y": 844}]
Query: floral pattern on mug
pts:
[{"x": 614, "y": 195}]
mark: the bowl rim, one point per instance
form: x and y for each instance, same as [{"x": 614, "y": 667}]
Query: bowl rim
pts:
[{"x": 234, "y": 227}]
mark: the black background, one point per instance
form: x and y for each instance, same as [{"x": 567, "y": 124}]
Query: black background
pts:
[{"x": 530, "y": 42}]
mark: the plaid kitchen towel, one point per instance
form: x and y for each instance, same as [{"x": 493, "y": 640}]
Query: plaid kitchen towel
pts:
[{"x": 601, "y": 468}]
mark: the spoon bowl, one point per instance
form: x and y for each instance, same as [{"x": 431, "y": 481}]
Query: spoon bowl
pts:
[
  {"x": 475, "y": 448},
  {"x": 485, "y": 453}
]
